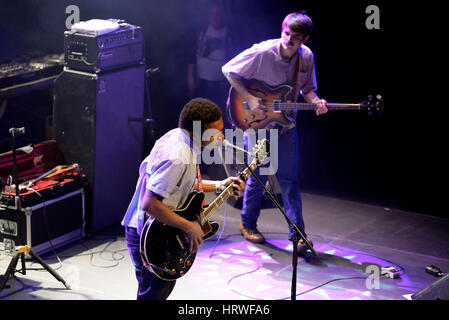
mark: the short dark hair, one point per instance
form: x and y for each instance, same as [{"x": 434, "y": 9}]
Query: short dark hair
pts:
[
  {"x": 198, "y": 109},
  {"x": 299, "y": 22}
]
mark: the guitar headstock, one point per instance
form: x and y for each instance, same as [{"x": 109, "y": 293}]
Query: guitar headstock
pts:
[
  {"x": 261, "y": 150},
  {"x": 373, "y": 104}
]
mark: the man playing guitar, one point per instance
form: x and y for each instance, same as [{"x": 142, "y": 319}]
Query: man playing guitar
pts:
[
  {"x": 277, "y": 62},
  {"x": 166, "y": 178}
]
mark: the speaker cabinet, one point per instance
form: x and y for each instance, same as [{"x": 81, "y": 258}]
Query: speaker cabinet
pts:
[
  {"x": 439, "y": 290},
  {"x": 91, "y": 122}
]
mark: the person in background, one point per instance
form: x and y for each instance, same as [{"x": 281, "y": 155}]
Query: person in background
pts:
[{"x": 213, "y": 50}]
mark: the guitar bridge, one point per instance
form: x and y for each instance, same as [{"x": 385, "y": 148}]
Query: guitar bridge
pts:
[{"x": 276, "y": 105}]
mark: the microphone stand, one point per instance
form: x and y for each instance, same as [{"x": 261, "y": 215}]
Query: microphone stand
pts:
[
  {"x": 295, "y": 238},
  {"x": 13, "y": 132}
]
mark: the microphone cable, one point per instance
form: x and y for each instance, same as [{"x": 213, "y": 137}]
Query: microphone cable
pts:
[{"x": 225, "y": 205}]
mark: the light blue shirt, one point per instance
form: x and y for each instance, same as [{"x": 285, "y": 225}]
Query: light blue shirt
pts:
[
  {"x": 263, "y": 61},
  {"x": 169, "y": 170}
]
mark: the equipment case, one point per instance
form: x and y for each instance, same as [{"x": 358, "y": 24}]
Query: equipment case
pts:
[{"x": 44, "y": 226}]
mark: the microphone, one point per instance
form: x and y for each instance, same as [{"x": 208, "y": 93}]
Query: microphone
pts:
[
  {"x": 227, "y": 144},
  {"x": 13, "y": 131}
]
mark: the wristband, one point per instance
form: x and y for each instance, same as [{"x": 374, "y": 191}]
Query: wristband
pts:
[{"x": 217, "y": 187}]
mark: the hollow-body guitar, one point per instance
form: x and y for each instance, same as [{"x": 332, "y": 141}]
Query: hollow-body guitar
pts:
[
  {"x": 275, "y": 99},
  {"x": 165, "y": 250}
]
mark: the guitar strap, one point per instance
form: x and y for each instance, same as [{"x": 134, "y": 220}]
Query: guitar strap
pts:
[
  {"x": 200, "y": 182},
  {"x": 292, "y": 95},
  {"x": 198, "y": 177}
]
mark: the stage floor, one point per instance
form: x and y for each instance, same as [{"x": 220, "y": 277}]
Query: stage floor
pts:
[{"x": 348, "y": 236}]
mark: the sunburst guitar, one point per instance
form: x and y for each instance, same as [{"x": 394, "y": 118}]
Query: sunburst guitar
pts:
[{"x": 275, "y": 99}]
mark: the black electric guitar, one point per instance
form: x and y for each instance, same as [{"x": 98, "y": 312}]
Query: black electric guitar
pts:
[
  {"x": 165, "y": 250},
  {"x": 276, "y": 101}
]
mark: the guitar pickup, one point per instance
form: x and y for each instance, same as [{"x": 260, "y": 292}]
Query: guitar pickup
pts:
[{"x": 276, "y": 105}]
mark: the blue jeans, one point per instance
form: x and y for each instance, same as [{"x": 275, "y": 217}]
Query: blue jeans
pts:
[
  {"x": 150, "y": 287},
  {"x": 288, "y": 177}
]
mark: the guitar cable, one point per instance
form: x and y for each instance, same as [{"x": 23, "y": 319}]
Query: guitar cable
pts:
[
  {"x": 116, "y": 256},
  {"x": 401, "y": 269},
  {"x": 226, "y": 201},
  {"x": 226, "y": 204},
  {"x": 222, "y": 229}
]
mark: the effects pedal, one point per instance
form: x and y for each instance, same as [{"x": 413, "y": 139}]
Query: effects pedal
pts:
[
  {"x": 434, "y": 271},
  {"x": 390, "y": 272}
]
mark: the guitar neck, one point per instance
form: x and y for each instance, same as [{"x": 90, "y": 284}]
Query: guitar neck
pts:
[
  {"x": 214, "y": 205},
  {"x": 312, "y": 106},
  {"x": 226, "y": 193}
]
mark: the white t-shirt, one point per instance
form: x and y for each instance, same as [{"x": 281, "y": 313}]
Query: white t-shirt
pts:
[{"x": 211, "y": 54}]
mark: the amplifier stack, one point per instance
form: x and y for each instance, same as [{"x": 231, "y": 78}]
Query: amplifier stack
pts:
[{"x": 101, "y": 88}]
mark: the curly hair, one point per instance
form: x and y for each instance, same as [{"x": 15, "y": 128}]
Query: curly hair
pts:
[{"x": 198, "y": 109}]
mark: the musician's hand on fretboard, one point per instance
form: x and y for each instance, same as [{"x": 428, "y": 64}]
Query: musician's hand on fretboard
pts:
[{"x": 321, "y": 107}]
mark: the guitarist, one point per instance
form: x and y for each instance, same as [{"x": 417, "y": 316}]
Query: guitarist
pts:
[
  {"x": 277, "y": 62},
  {"x": 166, "y": 177}
]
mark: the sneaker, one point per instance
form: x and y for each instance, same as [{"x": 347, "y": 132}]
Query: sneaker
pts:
[
  {"x": 252, "y": 235},
  {"x": 302, "y": 247}
]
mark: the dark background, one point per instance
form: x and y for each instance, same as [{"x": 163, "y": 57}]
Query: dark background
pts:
[{"x": 397, "y": 160}]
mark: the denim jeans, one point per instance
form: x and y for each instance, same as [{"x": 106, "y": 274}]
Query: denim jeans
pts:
[
  {"x": 288, "y": 176},
  {"x": 150, "y": 287}
]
